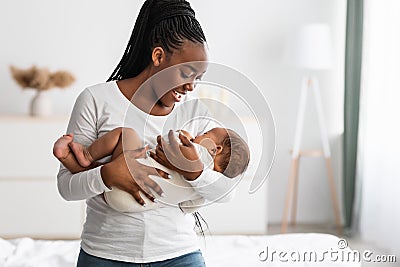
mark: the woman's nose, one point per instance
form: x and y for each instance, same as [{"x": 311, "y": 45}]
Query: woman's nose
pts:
[{"x": 189, "y": 87}]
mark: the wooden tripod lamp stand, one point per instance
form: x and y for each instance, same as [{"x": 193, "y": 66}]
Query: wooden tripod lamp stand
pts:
[{"x": 313, "y": 51}]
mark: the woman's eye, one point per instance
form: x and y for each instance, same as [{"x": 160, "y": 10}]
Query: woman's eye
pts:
[{"x": 186, "y": 75}]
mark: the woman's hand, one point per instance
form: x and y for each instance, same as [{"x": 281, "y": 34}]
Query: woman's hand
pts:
[
  {"x": 126, "y": 173},
  {"x": 182, "y": 158}
]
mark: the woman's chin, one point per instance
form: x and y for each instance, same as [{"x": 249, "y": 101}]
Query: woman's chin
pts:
[{"x": 167, "y": 104}]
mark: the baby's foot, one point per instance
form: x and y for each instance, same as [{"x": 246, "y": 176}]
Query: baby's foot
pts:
[
  {"x": 81, "y": 153},
  {"x": 61, "y": 149}
]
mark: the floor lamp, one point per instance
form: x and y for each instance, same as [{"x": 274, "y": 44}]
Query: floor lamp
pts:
[{"x": 311, "y": 50}]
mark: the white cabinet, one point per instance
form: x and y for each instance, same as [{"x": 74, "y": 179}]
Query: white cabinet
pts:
[{"x": 30, "y": 204}]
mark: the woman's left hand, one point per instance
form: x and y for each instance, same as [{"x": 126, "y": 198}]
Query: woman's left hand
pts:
[{"x": 182, "y": 158}]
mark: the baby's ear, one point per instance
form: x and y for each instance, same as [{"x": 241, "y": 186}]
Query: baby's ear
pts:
[
  {"x": 213, "y": 152},
  {"x": 218, "y": 149}
]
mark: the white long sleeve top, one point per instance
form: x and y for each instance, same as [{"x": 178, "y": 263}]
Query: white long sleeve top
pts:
[{"x": 151, "y": 235}]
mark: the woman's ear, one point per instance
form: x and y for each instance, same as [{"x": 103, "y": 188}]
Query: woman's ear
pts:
[{"x": 158, "y": 56}]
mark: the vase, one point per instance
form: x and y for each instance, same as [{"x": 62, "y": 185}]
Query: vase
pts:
[{"x": 41, "y": 105}]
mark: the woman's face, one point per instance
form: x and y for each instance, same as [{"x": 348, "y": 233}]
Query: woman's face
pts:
[{"x": 180, "y": 70}]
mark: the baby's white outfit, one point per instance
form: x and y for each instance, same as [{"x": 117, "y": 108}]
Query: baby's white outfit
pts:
[{"x": 177, "y": 191}]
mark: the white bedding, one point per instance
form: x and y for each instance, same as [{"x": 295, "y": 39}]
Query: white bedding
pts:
[{"x": 219, "y": 251}]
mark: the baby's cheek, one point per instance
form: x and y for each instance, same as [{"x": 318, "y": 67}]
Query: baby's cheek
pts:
[{"x": 208, "y": 143}]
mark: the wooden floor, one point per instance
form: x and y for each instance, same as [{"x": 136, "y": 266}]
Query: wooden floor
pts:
[{"x": 355, "y": 243}]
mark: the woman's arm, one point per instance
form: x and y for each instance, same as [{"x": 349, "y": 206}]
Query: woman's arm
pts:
[
  {"x": 119, "y": 173},
  {"x": 82, "y": 124}
]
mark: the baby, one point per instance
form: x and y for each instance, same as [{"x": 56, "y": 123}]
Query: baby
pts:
[{"x": 216, "y": 149}]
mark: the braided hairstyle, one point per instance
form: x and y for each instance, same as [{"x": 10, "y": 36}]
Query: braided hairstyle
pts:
[{"x": 164, "y": 23}]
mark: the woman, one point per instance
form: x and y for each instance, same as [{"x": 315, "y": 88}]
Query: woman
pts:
[{"x": 166, "y": 34}]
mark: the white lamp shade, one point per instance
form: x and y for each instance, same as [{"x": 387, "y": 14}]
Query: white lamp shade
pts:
[{"x": 312, "y": 47}]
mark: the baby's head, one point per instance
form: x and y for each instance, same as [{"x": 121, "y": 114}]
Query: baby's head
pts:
[{"x": 230, "y": 152}]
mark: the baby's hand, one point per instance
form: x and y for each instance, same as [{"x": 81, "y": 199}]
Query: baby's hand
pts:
[
  {"x": 187, "y": 134},
  {"x": 182, "y": 158}
]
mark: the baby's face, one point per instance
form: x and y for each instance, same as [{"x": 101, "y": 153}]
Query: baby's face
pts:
[{"x": 211, "y": 139}]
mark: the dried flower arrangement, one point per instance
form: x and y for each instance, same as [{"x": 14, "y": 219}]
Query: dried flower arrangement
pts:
[{"x": 41, "y": 79}]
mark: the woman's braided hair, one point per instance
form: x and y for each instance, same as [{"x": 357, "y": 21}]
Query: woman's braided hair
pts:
[{"x": 165, "y": 23}]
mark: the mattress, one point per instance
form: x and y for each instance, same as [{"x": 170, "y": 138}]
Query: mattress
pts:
[{"x": 219, "y": 251}]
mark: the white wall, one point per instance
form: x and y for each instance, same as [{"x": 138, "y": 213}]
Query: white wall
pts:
[
  {"x": 85, "y": 37},
  {"x": 378, "y": 148},
  {"x": 250, "y": 36},
  {"x": 88, "y": 38}
]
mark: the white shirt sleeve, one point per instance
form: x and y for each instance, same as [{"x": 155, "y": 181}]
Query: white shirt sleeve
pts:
[
  {"x": 214, "y": 186},
  {"x": 82, "y": 124}
]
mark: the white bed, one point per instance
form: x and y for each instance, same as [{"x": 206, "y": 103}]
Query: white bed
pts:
[{"x": 219, "y": 251}]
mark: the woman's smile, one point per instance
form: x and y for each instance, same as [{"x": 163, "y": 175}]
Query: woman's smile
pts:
[{"x": 178, "y": 95}]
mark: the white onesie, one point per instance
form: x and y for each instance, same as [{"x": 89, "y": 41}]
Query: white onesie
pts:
[{"x": 177, "y": 191}]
